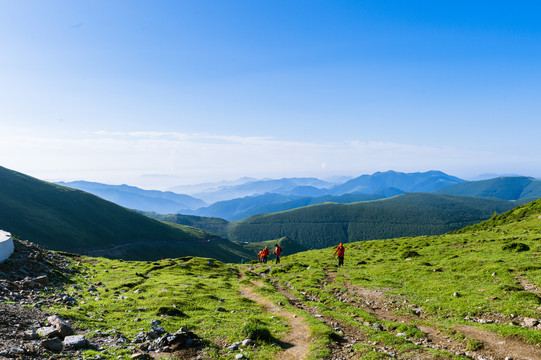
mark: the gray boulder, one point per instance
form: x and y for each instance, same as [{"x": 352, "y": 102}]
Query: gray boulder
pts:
[
  {"x": 52, "y": 344},
  {"x": 63, "y": 327},
  {"x": 75, "y": 342}
]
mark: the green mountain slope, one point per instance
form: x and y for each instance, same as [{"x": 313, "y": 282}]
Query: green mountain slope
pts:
[
  {"x": 62, "y": 218},
  {"x": 288, "y": 247},
  {"x": 468, "y": 294},
  {"x": 211, "y": 224},
  {"x": 506, "y": 188},
  {"x": 404, "y": 215}
]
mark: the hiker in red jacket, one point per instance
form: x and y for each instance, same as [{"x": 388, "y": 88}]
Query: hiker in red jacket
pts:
[
  {"x": 340, "y": 253},
  {"x": 277, "y": 251},
  {"x": 265, "y": 253}
]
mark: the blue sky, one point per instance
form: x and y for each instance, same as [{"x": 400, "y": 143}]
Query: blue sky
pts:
[{"x": 163, "y": 93}]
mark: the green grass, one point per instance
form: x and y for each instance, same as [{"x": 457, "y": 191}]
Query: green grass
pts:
[
  {"x": 176, "y": 292},
  {"x": 451, "y": 278}
]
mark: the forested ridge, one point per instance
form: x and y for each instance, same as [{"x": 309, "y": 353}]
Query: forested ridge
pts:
[{"x": 409, "y": 214}]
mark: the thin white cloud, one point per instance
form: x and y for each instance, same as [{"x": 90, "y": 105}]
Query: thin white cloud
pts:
[{"x": 125, "y": 157}]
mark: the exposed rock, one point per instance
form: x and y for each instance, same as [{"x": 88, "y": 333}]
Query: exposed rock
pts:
[
  {"x": 75, "y": 342},
  {"x": 63, "y": 327},
  {"x": 48, "y": 332},
  {"x": 140, "y": 356},
  {"x": 52, "y": 344},
  {"x": 530, "y": 322},
  {"x": 158, "y": 329}
]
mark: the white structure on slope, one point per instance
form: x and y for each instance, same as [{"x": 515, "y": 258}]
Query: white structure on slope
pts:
[{"x": 6, "y": 245}]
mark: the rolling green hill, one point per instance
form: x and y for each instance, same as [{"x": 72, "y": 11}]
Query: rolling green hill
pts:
[
  {"x": 470, "y": 294},
  {"x": 211, "y": 224},
  {"x": 66, "y": 219},
  {"x": 506, "y": 188},
  {"x": 409, "y": 214},
  {"x": 288, "y": 246}
]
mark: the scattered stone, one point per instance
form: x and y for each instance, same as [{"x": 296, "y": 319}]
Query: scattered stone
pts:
[
  {"x": 455, "y": 294},
  {"x": 52, "y": 344},
  {"x": 48, "y": 332},
  {"x": 182, "y": 330},
  {"x": 43, "y": 280},
  {"x": 15, "y": 351},
  {"x": 158, "y": 329},
  {"x": 63, "y": 327},
  {"x": 140, "y": 356},
  {"x": 377, "y": 326},
  {"x": 221, "y": 309},
  {"x": 30, "y": 335},
  {"x": 239, "y": 356},
  {"x": 247, "y": 342},
  {"x": 530, "y": 322},
  {"x": 75, "y": 342}
]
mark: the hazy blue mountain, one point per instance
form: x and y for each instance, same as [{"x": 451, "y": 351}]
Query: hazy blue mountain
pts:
[
  {"x": 209, "y": 186},
  {"x": 284, "y": 186},
  {"x": 405, "y": 182},
  {"x": 492, "y": 176},
  {"x": 131, "y": 197},
  {"x": 507, "y": 188},
  {"x": 236, "y": 208},
  {"x": 242, "y": 208}
]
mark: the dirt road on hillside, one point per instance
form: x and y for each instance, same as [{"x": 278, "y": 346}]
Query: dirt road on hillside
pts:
[{"x": 297, "y": 341}]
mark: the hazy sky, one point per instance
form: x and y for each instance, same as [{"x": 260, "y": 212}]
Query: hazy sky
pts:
[{"x": 163, "y": 93}]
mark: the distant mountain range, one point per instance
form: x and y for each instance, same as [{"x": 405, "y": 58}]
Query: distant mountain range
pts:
[
  {"x": 247, "y": 197},
  {"x": 63, "y": 218},
  {"x": 132, "y": 197},
  {"x": 327, "y": 224}
]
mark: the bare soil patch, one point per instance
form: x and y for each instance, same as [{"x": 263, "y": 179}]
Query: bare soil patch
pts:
[{"x": 297, "y": 341}]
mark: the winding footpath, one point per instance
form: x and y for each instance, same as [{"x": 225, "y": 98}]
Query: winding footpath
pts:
[{"x": 297, "y": 341}]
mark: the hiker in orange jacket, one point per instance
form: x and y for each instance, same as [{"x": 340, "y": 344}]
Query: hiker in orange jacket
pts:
[
  {"x": 277, "y": 251},
  {"x": 265, "y": 253},
  {"x": 260, "y": 254},
  {"x": 340, "y": 253}
]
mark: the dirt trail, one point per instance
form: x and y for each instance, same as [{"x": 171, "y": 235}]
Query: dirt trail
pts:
[
  {"x": 297, "y": 341},
  {"x": 494, "y": 346},
  {"x": 528, "y": 285}
]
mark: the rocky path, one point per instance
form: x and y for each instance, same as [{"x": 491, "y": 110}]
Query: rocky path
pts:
[
  {"x": 376, "y": 303},
  {"x": 494, "y": 346},
  {"x": 297, "y": 341}
]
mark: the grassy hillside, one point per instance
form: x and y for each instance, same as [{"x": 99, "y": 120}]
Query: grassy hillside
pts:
[
  {"x": 62, "y": 218},
  {"x": 471, "y": 294},
  {"x": 214, "y": 225},
  {"x": 506, "y": 188},
  {"x": 288, "y": 247},
  {"x": 404, "y": 215}
]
